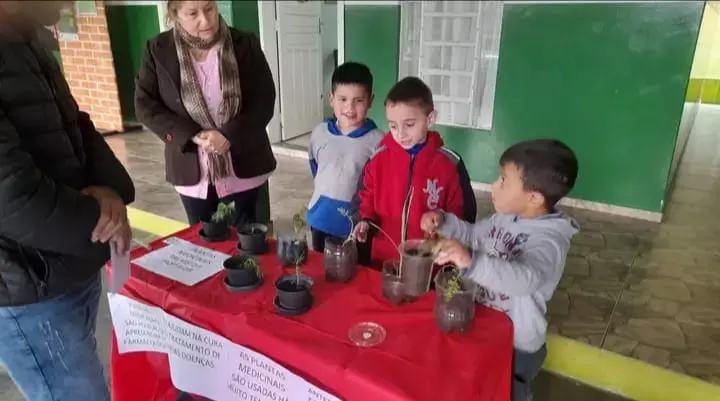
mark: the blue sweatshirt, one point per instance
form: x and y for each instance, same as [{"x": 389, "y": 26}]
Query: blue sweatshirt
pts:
[{"x": 336, "y": 162}]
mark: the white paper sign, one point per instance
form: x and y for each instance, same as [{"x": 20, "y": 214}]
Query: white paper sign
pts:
[
  {"x": 120, "y": 268},
  {"x": 204, "y": 363},
  {"x": 138, "y": 327},
  {"x": 183, "y": 261}
]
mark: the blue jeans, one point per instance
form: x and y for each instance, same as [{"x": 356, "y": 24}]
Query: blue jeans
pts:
[{"x": 49, "y": 347}]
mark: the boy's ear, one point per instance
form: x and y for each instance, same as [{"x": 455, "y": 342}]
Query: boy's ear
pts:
[
  {"x": 431, "y": 118},
  {"x": 370, "y": 101},
  {"x": 537, "y": 200},
  {"x": 331, "y": 98}
]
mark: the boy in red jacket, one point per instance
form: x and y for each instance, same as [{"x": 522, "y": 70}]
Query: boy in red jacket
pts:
[{"x": 412, "y": 168}]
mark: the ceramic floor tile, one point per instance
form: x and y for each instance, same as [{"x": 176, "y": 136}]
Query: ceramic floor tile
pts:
[{"x": 670, "y": 311}]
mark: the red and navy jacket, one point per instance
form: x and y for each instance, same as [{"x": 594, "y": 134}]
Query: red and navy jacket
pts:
[{"x": 434, "y": 175}]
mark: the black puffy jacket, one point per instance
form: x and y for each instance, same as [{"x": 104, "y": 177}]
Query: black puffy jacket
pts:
[{"x": 49, "y": 152}]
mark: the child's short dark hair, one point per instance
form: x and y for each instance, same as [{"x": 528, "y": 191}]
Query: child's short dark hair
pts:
[
  {"x": 548, "y": 167},
  {"x": 412, "y": 90},
  {"x": 352, "y": 73}
]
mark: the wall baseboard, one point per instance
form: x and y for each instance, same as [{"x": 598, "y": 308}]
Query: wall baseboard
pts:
[{"x": 569, "y": 202}]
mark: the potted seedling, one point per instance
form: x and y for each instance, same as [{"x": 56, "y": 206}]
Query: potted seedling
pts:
[
  {"x": 253, "y": 238},
  {"x": 293, "y": 248},
  {"x": 341, "y": 255},
  {"x": 416, "y": 266},
  {"x": 416, "y": 259},
  {"x": 294, "y": 291},
  {"x": 242, "y": 273},
  {"x": 217, "y": 229},
  {"x": 454, "y": 303}
]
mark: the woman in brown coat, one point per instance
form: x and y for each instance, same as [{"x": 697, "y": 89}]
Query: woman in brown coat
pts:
[{"x": 206, "y": 90}]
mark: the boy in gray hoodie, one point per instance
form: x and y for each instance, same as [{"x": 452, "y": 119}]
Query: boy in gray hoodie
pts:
[{"x": 517, "y": 256}]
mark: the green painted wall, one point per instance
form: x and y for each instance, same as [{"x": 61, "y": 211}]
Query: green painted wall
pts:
[
  {"x": 58, "y": 57},
  {"x": 607, "y": 79},
  {"x": 130, "y": 27},
  {"x": 369, "y": 33},
  {"x": 245, "y": 16}
]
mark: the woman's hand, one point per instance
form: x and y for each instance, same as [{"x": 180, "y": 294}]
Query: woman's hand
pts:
[{"x": 212, "y": 142}]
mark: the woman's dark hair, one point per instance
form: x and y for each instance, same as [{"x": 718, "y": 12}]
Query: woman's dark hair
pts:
[{"x": 548, "y": 166}]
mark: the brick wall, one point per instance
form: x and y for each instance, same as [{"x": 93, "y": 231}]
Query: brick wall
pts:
[{"x": 90, "y": 72}]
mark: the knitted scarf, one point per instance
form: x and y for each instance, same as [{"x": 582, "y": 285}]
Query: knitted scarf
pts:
[{"x": 191, "y": 93}]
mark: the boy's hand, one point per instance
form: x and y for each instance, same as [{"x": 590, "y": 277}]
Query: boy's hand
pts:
[
  {"x": 361, "y": 230},
  {"x": 431, "y": 221},
  {"x": 451, "y": 251}
]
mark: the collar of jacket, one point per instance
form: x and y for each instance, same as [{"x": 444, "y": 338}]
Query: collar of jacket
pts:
[
  {"x": 166, "y": 53},
  {"x": 433, "y": 142}
]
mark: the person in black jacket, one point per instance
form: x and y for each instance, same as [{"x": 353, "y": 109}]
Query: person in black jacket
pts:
[{"x": 62, "y": 202}]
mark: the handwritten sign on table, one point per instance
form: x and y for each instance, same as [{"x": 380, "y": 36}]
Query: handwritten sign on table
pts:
[
  {"x": 183, "y": 261},
  {"x": 204, "y": 363}
]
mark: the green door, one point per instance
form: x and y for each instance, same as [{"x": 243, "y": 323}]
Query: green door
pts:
[{"x": 130, "y": 26}]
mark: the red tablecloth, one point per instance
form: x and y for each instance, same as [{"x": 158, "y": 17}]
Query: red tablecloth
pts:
[{"x": 416, "y": 361}]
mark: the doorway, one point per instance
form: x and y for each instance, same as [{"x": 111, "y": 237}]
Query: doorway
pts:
[{"x": 302, "y": 41}]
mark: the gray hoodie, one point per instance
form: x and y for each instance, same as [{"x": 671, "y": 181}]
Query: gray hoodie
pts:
[{"x": 518, "y": 263}]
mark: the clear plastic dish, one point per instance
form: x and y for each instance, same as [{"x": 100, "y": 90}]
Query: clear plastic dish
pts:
[{"x": 367, "y": 334}]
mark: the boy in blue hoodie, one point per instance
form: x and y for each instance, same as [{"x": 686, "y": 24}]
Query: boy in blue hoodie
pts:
[
  {"x": 517, "y": 256},
  {"x": 339, "y": 149}
]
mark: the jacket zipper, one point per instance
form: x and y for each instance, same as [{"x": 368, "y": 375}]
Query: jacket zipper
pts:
[{"x": 406, "y": 203}]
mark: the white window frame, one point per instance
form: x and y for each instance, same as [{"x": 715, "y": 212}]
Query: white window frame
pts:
[{"x": 476, "y": 104}]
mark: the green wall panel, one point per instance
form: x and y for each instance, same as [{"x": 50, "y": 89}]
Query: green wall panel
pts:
[
  {"x": 371, "y": 37},
  {"x": 245, "y": 16},
  {"x": 130, "y": 27},
  {"x": 608, "y": 79}
]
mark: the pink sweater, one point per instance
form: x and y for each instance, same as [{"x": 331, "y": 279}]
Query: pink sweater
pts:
[{"x": 208, "y": 75}]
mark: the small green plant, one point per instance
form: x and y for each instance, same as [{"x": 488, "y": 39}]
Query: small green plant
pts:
[
  {"x": 252, "y": 263},
  {"x": 348, "y": 215},
  {"x": 454, "y": 284},
  {"x": 300, "y": 224},
  {"x": 223, "y": 212},
  {"x": 298, "y": 268}
]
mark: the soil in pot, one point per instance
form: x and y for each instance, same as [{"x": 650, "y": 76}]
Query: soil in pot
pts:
[
  {"x": 253, "y": 238},
  {"x": 294, "y": 292},
  {"x": 242, "y": 271},
  {"x": 292, "y": 251},
  {"x": 416, "y": 268},
  {"x": 340, "y": 260},
  {"x": 213, "y": 230},
  {"x": 454, "y": 304}
]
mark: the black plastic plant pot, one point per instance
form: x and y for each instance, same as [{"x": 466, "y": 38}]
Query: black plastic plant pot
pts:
[
  {"x": 239, "y": 273},
  {"x": 213, "y": 230},
  {"x": 292, "y": 251},
  {"x": 253, "y": 238},
  {"x": 294, "y": 291},
  {"x": 341, "y": 260}
]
